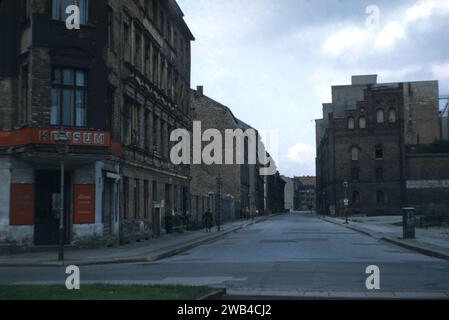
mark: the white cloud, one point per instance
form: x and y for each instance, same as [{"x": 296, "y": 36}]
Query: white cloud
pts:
[
  {"x": 358, "y": 39},
  {"x": 392, "y": 32},
  {"x": 441, "y": 71},
  {"x": 421, "y": 10},
  {"x": 343, "y": 40},
  {"x": 301, "y": 153}
]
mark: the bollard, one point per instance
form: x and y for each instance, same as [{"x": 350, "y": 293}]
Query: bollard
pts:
[{"x": 408, "y": 223}]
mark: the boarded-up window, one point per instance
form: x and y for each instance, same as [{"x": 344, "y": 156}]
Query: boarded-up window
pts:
[
  {"x": 22, "y": 204},
  {"x": 84, "y": 204}
]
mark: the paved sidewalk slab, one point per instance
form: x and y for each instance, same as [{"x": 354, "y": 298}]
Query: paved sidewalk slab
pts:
[{"x": 428, "y": 242}]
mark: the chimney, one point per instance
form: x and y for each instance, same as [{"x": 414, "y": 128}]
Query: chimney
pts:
[{"x": 200, "y": 91}]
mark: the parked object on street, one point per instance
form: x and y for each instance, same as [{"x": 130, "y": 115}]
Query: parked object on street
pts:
[{"x": 408, "y": 220}]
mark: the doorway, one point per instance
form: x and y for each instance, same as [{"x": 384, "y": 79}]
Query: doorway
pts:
[{"x": 46, "y": 228}]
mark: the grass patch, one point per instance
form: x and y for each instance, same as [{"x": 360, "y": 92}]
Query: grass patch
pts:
[{"x": 102, "y": 292}]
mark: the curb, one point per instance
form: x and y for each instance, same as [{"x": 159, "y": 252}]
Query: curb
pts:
[
  {"x": 216, "y": 295},
  {"x": 418, "y": 248},
  {"x": 138, "y": 259},
  {"x": 237, "y": 294}
]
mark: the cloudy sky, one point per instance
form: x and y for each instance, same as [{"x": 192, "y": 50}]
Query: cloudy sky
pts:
[{"x": 273, "y": 61}]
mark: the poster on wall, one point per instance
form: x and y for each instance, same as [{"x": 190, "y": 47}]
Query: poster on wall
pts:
[
  {"x": 84, "y": 204},
  {"x": 22, "y": 204}
]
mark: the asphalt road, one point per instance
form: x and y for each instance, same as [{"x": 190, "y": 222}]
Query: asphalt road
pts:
[{"x": 289, "y": 255}]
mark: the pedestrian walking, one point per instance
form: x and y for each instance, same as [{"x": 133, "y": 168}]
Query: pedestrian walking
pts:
[{"x": 208, "y": 220}]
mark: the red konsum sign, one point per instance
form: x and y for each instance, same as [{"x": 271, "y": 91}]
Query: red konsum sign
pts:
[{"x": 50, "y": 136}]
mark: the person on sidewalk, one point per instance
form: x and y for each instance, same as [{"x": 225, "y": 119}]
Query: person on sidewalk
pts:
[{"x": 208, "y": 220}]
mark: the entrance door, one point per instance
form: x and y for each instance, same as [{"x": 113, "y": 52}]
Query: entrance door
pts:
[
  {"x": 156, "y": 222},
  {"x": 108, "y": 206},
  {"x": 46, "y": 228}
]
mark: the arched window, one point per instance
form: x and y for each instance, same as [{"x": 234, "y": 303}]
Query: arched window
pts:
[
  {"x": 392, "y": 115},
  {"x": 379, "y": 152},
  {"x": 380, "y": 197},
  {"x": 355, "y": 154},
  {"x": 380, "y": 116},
  {"x": 362, "y": 123},
  {"x": 351, "y": 123}
]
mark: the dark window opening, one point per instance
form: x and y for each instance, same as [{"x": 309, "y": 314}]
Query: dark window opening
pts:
[{"x": 69, "y": 97}]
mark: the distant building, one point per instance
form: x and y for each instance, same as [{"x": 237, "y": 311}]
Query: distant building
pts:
[
  {"x": 307, "y": 196},
  {"x": 382, "y": 139},
  {"x": 291, "y": 194},
  {"x": 274, "y": 194}
]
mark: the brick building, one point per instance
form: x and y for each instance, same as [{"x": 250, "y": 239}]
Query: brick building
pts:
[
  {"x": 103, "y": 98},
  {"x": 243, "y": 187},
  {"x": 373, "y": 136},
  {"x": 291, "y": 194},
  {"x": 307, "y": 195},
  {"x": 274, "y": 194}
]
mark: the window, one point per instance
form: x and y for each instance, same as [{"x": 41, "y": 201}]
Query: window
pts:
[
  {"x": 379, "y": 173},
  {"x": 137, "y": 49},
  {"x": 23, "y": 116},
  {"x": 380, "y": 197},
  {"x": 351, "y": 123},
  {"x": 147, "y": 67},
  {"x": 355, "y": 172},
  {"x": 392, "y": 116},
  {"x": 25, "y": 10},
  {"x": 362, "y": 123},
  {"x": 380, "y": 116},
  {"x": 127, "y": 40},
  {"x": 355, "y": 197},
  {"x": 59, "y": 7},
  {"x": 126, "y": 197},
  {"x": 146, "y": 192},
  {"x": 379, "y": 152},
  {"x": 148, "y": 7},
  {"x": 136, "y": 211},
  {"x": 134, "y": 124},
  {"x": 154, "y": 191},
  {"x": 111, "y": 42},
  {"x": 355, "y": 154},
  {"x": 69, "y": 97}
]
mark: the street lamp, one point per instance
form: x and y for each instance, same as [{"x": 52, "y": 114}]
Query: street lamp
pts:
[
  {"x": 346, "y": 201},
  {"x": 62, "y": 138}
]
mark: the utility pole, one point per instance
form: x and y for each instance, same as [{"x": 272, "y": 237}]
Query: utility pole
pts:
[
  {"x": 62, "y": 138},
  {"x": 346, "y": 201}
]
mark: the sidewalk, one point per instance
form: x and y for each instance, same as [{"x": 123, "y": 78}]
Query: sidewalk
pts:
[
  {"x": 151, "y": 250},
  {"x": 432, "y": 241}
]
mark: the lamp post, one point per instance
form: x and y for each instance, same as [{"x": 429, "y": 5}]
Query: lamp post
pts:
[
  {"x": 346, "y": 201},
  {"x": 62, "y": 138}
]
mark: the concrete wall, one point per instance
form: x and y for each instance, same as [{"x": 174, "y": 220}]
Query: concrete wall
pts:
[{"x": 421, "y": 107}]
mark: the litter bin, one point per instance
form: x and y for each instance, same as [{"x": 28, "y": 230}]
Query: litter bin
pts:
[{"x": 408, "y": 223}]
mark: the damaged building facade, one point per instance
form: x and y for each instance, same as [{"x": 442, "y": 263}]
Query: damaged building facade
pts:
[
  {"x": 242, "y": 191},
  {"x": 103, "y": 101},
  {"x": 378, "y": 147}
]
